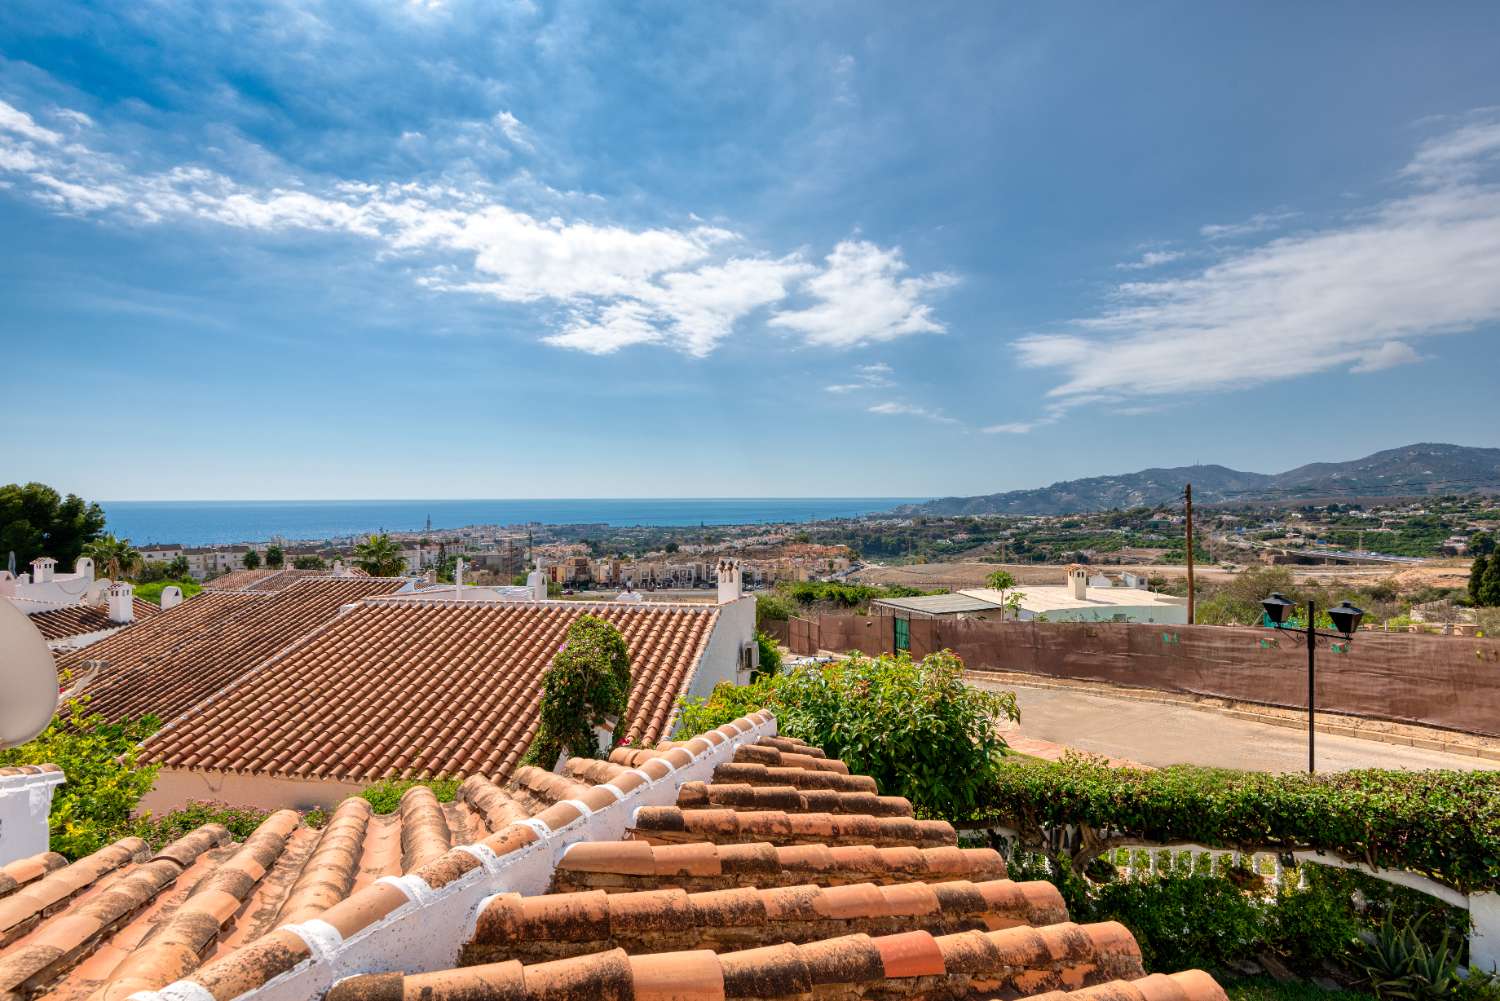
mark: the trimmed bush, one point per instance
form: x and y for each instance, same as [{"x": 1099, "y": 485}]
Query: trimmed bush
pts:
[
  {"x": 1443, "y": 824},
  {"x": 385, "y": 795}
]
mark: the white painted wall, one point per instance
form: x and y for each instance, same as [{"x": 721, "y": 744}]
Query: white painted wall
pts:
[
  {"x": 721, "y": 658},
  {"x": 25, "y": 801},
  {"x": 1170, "y": 615}
]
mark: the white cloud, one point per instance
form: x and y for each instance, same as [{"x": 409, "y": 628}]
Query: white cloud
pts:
[
  {"x": 1014, "y": 427},
  {"x": 862, "y": 298},
  {"x": 873, "y": 376},
  {"x": 911, "y": 410},
  {"x": 680, "y": 287},
  {"x": 1351, "y": 295},
  {"x": 1456, "y": 156},
  {"x": 1151, "y": 259},
  {"x": 518, "y": 134},
  {"x": 1258, "y": 223},
  {"x": 1387, "y": 355}
]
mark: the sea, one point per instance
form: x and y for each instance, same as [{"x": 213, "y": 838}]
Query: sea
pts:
[{"x": 208, "y": 523}]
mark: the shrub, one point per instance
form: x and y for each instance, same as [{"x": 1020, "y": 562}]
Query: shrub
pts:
[
  {"x": 1443, "y": 824},
  {"x": 912, "y": 725},
  {"x": 771, "y": 607},
  {"x": 1182, "y": 922},
  {"x": 588, "y": 682},
  {"x": 385, "y": 795},
  {"x": 770, "y": 654},
  {"x": 104, "y": 779},
  {"x": 158, "y": 832}
]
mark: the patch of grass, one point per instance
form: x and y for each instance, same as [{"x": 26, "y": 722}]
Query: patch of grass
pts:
[
  {"x": 152, "y": 592},
  {"x": 385, "y": 796},
  {"x": 1267, "y": 989}
]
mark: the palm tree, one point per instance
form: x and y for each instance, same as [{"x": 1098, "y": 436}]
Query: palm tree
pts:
[
  {"x": 379, "y": 557},
  {"x": 116, "y": 557}
]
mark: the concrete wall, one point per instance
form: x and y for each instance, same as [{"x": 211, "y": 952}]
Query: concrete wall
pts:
[
  {"x": 1169, "y": 615},
  {"x": 176, "y": 786},
  {"x": 721, "y": 658},
  {"x": 25, "y": 802}
]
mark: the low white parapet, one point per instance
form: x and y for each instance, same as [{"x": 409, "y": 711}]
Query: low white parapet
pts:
[{"x": 25, "y": 802}]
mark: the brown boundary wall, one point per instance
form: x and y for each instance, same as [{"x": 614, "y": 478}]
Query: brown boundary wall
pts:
[{"x": 1444, "y": 681}]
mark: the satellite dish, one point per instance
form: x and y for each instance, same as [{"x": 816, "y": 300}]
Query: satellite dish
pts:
[{"x": 28, "y": 677}]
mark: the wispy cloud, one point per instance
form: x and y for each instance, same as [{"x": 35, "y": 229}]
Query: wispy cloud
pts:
[
  {"x": 861, "y": 297},
  {"x": 1151, "y": 259},
  {"x": 912, "y": 410},
  {"x": 875, "y": 376},
  {"x": 686, "y": 287},
  {"x": 1258, "y": 223},
  {"x": 1351, "y": 295},
  {"x": 1012, "y": 427}
]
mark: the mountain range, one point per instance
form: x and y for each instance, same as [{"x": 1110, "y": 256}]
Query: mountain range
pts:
[{"x": 1409, "y": 471}]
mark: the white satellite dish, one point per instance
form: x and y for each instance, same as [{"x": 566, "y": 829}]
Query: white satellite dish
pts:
[{"x": 28, "y": 677}]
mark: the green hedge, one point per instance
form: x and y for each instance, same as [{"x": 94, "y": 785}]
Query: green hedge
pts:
[{"x": 1443, "y": 824}]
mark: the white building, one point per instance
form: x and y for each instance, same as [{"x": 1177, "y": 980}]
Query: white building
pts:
[{"x": 1076, "y": 601}]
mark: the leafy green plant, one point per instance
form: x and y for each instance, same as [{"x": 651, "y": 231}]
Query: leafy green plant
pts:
[
  {"x": 771, "y": 607},
  {"x": 1316, "y": 923},
  {"x": 1182, "y": 922},
  {"x": 152, "y": 591},
  {"x": 160, "y": 831},
  {"x": 1444, "y": 824},
  {"x": 105, "y": 780},
  {"x": 1399, "y": 966},
  {"x": 770, "y": 654},
  {"x": 912, "y": 725},
  {"x": 588, "y": 682},
  {"x": 385, "y": 795}
]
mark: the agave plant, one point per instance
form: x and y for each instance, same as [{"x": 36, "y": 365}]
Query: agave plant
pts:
[{"x": 1401, "y": 967}]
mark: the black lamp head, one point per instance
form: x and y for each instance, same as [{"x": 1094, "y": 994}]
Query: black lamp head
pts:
[
  {"x": 1277, "y": 608},
  {"x": 1346, "y": 617}
]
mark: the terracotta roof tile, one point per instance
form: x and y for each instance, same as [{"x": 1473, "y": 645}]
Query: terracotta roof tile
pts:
[
  {"x": 79, "y": 620},
  {"x": 412, "y": 689},
  {"x": 169, "y": 663}
]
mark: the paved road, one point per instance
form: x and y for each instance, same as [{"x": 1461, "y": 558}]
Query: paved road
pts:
[{"x": 1157, "y": 734}]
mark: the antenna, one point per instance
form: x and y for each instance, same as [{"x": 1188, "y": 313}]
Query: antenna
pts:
[{"x": 28, "y": 675}]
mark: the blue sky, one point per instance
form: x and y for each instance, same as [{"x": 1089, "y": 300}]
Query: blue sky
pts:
[{"x": 450, "y": 249}]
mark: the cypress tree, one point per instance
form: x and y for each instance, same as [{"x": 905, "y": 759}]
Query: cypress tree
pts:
[
  {"x": 1476, "y": 577},
  {"x": 1489, "y": 585}
]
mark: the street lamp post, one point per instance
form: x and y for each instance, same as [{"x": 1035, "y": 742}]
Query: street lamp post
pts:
[{"x": 1345, "y": 618}]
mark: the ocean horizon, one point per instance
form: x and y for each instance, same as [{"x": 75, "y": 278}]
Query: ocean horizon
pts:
[{"x": 208, "y": 523}]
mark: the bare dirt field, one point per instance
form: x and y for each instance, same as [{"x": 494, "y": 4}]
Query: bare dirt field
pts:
[{"x": 1435, "y": 573}]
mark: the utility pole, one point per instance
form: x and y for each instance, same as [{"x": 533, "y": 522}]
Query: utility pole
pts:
[
  {"x": 1187, "y": 495},
  {"x": 1312, "y": 690}
]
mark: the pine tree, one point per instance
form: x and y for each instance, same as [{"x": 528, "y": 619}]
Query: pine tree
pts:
[{"x": 1476, "y": 577}]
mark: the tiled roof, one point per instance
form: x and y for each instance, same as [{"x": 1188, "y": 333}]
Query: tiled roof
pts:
[
  {"x": 79, "y": 620},
  {"x": 555, "y": 907},
  {"x": 425, "y": 688},
  {"x": 237, "y": 580},
  {"x": 126, "y": 919},
  {"x": 172, "y": 661}
]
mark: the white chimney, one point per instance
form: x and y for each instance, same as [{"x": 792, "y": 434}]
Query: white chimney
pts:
[
  {"x": 41, "y": 569},
  {"x": 84, "y": 567},
  {"x": 338, "y": 568},
  {"x": 731, "y": 587},
  {"x": 171, "y": 597},
  {"x": 1078, "y": 582},
  {"x": 537, "y": 581},
  {"x": 121, "y": 597},
  {"x": 458, "y": 577}
]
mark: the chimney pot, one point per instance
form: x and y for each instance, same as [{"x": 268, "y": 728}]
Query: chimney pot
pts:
[{"x": 121, "y": 599}]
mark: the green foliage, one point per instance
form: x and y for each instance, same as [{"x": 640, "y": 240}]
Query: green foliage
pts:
[
  {"x": 275, "y": 557},
  {"x": 771, "y": 607},
  {"x": 1400, "y": 966},
  {"x": 1000, "y": 580},
  {"x": 1484, "y": 582},
  {"x": 251, "y": 560},
  {"x": 316, "y": 818},
  {"x": 385, "y": 795},
  {"x": 179, "y": 570},
  {"x": 770, "y": 654},
  {"x": 1182, "y": 922},
  {"x": 113, "y": 558},
  {"x": 105, "y": 781},
  {"x": 588, "y": 682},
  {"x": 840, "y": 595},
  {"x": 36, "y": 520},
  {"x": 1444, "y": 824},
  {"x": 309, "y": 563},
  {"x": 152, "y": 592},
  {"x": 1317, "y": 923},
  {"x": 1266, "y": 989},
  {"x": 912, "y": 725},
  {"x": 158, "y": 832},
  {"x": 379, "y": 556},
  {"x": 725, "y": 704}
]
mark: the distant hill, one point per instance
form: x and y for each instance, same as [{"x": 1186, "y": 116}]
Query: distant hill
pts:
[{"x": 1410, "y": 471}]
